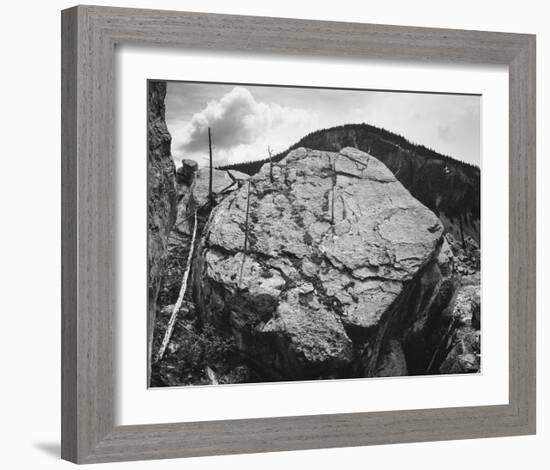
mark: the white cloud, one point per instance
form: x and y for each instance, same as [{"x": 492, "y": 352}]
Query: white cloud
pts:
[
  {"x": 246, "y": 119},
  {"x": 241, "y": 127}
]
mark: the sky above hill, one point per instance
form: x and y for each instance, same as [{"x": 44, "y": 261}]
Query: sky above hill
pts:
[{"x": 245, "y": 120}]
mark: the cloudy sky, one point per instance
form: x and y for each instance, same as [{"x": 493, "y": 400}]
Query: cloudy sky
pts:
[{"x": 245, "y": 119}]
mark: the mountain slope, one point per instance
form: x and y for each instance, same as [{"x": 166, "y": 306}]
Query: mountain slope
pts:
[{"x": 449, "y": 187}]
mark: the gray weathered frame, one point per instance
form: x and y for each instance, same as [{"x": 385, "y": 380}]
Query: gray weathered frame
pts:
[{"x": 89, "y": 34}]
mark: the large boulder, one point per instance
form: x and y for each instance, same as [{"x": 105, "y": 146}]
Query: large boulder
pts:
[{"x": 318, "y": 270}]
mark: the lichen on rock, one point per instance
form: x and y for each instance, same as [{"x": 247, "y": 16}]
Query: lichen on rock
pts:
[{"x": 337, "y": 251}]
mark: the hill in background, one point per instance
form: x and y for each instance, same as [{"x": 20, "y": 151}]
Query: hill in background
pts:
[{"x": 449, "y": 187}]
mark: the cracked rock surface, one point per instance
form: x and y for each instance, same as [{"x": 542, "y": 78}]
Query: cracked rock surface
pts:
[
  {"x": 311, "y": 280},
  {"x": 161, "y": 189}
]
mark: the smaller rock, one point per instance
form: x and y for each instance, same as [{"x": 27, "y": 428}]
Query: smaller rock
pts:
[
  {"x": 467, "y": 305},
  {"x": 186, "y": 172},
  {"x": 475, "y": 259},
  {"x": 451, "y": 240},
  {"x": 464, "y": 342},
  {"x": 471, "y": 244},
  {"x": 464, "y": 355}
]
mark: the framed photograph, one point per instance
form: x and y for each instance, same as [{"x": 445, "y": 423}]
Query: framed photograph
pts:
[{"x": 285, "y": 234}]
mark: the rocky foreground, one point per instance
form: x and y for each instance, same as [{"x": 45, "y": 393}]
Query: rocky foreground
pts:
[{"x": 321, "y": 265}]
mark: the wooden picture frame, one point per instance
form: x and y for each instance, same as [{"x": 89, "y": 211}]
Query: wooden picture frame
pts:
[{"x": 89, "y": 36}]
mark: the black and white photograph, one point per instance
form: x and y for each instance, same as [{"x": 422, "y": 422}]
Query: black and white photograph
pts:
[
  {"x": 300, "y": 233},
  {"x": 275, "y": 235}
]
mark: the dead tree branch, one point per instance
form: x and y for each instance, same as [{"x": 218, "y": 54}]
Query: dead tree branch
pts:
[
  {"x": 245, "y": 248},
  {"x": 210, "y": 196},
  {"x": 183, "y": 289},
  {"x": 211, "y": 376}
]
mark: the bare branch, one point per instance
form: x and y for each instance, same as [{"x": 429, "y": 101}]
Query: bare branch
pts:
[
  {"x": 211, "y": 376},
  {"x": 183, "y": 289},
  {"x": 210, "y": 196},
  {"x": 245, "y": 248}
]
